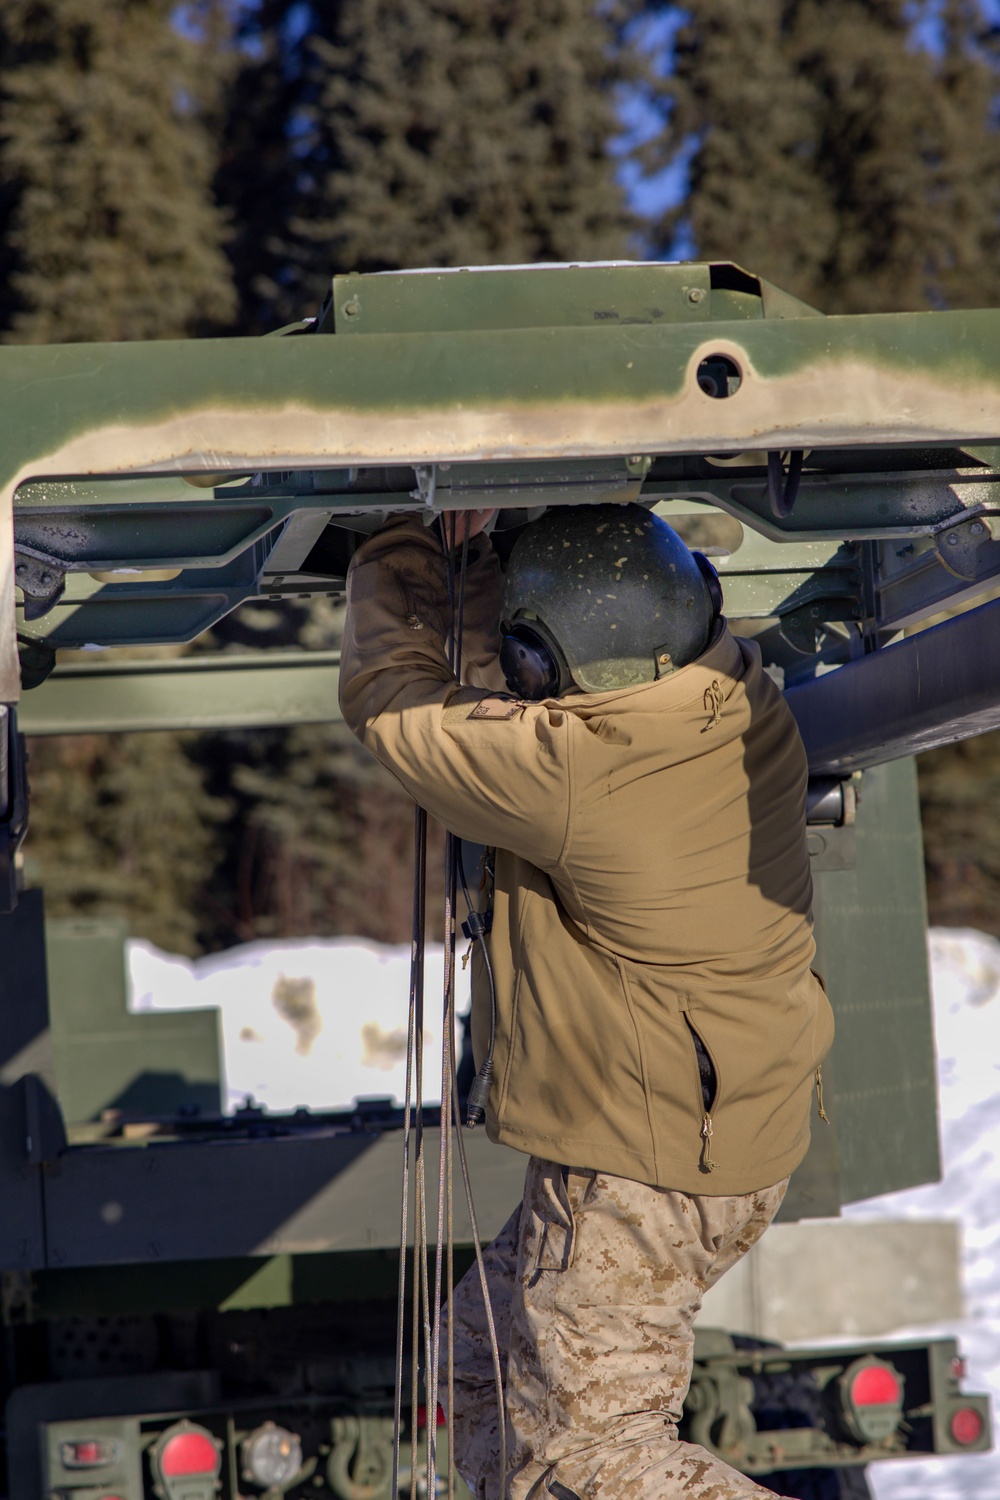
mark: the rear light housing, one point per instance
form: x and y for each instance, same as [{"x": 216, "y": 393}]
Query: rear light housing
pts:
[
  {"x": 871, "y": 1399},
  {"x": 89, "y": 1453},
  {"x": 186, "y": 1461},
  {"x": 442, "y": 1420},
  {"x": 966, "y": 1426},
  {"x": 271, "y": 1456}
]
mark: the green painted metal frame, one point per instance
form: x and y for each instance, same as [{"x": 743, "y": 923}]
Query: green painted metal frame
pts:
[
  {"x": 496, "y": 398},
  {"x": 245, "y": 691}
]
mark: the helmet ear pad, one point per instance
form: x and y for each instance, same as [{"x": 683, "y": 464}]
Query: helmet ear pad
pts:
[
  {"x": 710, "y": 574},
  {"x": 532, "y": 664}
]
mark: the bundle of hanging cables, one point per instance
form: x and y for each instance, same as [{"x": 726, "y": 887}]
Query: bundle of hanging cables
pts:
[{"x": 425, "y": 1309}]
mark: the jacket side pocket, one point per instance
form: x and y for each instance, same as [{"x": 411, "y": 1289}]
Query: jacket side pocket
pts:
[{"x": 552, "y": 1192}]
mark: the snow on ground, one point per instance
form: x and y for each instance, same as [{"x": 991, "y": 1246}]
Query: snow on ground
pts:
[
  {"x": 314, "y": 1022},
  {"x": 965, "y": 970},
  {"x": 320, "y": 1022}
]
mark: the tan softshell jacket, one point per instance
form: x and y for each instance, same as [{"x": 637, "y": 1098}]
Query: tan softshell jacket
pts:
[{"x": 651, "y": 880}]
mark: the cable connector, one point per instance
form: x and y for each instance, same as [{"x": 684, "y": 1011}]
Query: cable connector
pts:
[
  {"x": 475, "y": 1108},
  {"x": 478, "y": 924}
]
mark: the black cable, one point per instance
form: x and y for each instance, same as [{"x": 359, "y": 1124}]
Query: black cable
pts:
[
  {"x": 413, "y": 1050},
  {"x": 444, "y": 1263},
  {"x": 423, "y": 1304},
  {"x": 479, "y": 1093},
  {"x": 477, "y": 1245},
  {"x": 474, "y": 927},
  {"x": 443, "y": 1259},
  {"x": 456, "y": 866},
  {"x": 782, "y": 492}
]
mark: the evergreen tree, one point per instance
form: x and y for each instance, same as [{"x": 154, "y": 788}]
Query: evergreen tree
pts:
[
  {"x": 123, "y": 825},
  {"x": 109, "y": 231},
  {"x": 263, "y": 143},
  {"x": 959, "y": 789},
  {"x": 433, "y": 132},
  {"x": 834, "y": 156},
  {"x": 320, "y": 841},
  {"x": 969, "y": 190},
  {"x": 754, "y": 192},
  {"x": 107, "y": 153}
]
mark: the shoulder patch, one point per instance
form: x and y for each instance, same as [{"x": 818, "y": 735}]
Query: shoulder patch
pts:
[{"x": 497, "y": 707}]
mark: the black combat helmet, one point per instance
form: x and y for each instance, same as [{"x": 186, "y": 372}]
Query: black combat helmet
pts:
[{"x": 603, "y": 597}]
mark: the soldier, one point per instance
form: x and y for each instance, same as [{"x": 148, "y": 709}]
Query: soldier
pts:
[{"x": 658, "y": 1029}]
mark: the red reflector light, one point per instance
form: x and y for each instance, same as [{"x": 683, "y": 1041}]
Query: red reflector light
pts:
[
  {"x": 966, "y": 1426},
  {"x": 422, "y": 1416},
  {"x": 89, "y": 1453},
  {"x": 189, "y": 1452},
  {"x": 876, "y": 1385}
]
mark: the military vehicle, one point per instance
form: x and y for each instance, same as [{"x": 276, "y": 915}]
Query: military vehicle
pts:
[{"x": 198, "y": 1303}]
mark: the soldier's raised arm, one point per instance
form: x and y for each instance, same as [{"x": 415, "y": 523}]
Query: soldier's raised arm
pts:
[{"x": 456, "y": 749}]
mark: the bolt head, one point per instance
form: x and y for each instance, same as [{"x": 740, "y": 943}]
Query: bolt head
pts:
[{"x": 696, "y": 294}]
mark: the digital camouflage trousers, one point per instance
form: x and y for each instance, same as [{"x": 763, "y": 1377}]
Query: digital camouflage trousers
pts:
[{"x": 595, "y": 1282}]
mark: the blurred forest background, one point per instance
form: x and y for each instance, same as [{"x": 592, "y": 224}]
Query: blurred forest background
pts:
[{"x": 171, "y": 170}]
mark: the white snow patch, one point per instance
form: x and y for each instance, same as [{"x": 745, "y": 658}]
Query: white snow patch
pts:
[
  {"x": 311, "y": 1022},
  {"x": 965, "y": 977}
]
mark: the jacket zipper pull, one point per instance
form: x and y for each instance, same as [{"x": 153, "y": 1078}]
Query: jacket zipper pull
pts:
[
  {"x": 713, "y": 700},
  {"x": 707, "y": 1164},
  {"x": 819, "y": 1096}
]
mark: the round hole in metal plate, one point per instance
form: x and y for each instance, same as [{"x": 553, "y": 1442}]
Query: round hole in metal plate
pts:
[{"x": 719, "y": 376}]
